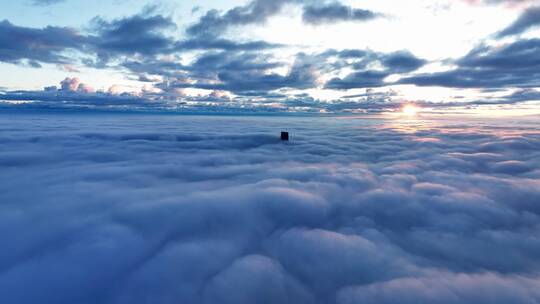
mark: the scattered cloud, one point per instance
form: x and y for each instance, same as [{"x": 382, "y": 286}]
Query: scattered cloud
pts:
[
  {"x": 530, "y": 18},
  {"x": 25, "y": 45},
  {"x": 511, "y": 65},
  {"x": 215, "y": 23},
  {"x": 138, "y": 34},
  {"x": 149, "y": 47},
  {"x": 335, "y": 12},
  {"x": 362, "y": 79},
  {"x": 402, "y": 61}
]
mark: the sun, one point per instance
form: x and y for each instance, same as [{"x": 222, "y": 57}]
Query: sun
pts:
[{"x": 410, "y": 110}]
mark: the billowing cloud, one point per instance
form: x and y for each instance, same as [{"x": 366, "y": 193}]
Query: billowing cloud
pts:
[
  {"x": 242, "y": 72},
  {"x": 245, "y": 72},
  {"x": 195, "y": 209},
  {"x": 447, "y": 288},
  {"x": 138, "y": 34},
  {"x": 69, "y": 84},
  {"x": 74, "y": 85}
]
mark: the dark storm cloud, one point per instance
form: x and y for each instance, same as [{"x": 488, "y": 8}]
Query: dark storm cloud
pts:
[
  {"x": 19, "y": 44},
  {"x": 335, "y": 12},
  {"x": 190, "y": 209},
  {"x": 530, "y": 18},
  {"x": 513, "y": 65}
]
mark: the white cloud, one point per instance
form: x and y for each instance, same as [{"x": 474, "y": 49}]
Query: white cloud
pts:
[{"x": 195, "y": 209}]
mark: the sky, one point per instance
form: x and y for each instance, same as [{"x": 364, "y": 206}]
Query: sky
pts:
[{"x": 447, "y": 56}]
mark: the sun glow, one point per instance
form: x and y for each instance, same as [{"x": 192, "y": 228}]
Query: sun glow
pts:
[{"x": 410, "y": 110}]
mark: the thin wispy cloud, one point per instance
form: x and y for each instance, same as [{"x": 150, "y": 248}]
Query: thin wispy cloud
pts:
[{"x": 46, "y": 2}]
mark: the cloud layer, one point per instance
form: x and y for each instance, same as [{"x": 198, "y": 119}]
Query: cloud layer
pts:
[{"x": 191, "y": 209}]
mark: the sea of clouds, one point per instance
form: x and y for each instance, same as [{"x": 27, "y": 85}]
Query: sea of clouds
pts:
[{"x": 215, "y": 209}]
